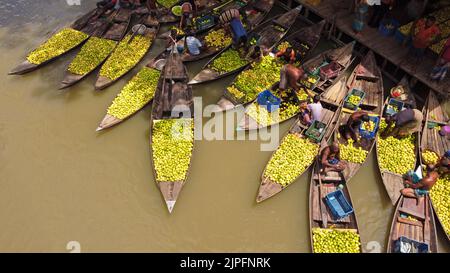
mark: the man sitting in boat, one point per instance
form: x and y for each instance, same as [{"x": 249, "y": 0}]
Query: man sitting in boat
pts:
[
  {"x": 405, "y": 123},
  {"x": 305, "y": 114},
  {"x": 420, "y": 188},
  {"x": 330, "y": 159},
  {"x": 289, "y": 55},
  {"x": 316, "y": 108},
  {"x": 443, "y": 165},
  {"x": 350, "y": 129},
  {"x": 186, "y": 17}
]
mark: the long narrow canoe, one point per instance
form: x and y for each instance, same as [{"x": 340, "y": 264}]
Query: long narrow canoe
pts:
[
  {"x": 61, "y": 42},
  {"x": 117, "y": 65},
  {"x": 256, "y": 16},
  {"x": 431, "y": 140},
  {"x": 367, "y": 77},
  {"x": 414, "y": 220},
  {"x": 255, "y": 116},
  {"x": 284, "y": 168},
  {"x": 324, "y": 228},
  {"x": 270, "y": 33},
  {"x": 172, "y": 130},
  {"x": 136, "y": 94},
  {"x": 95, "y": 51},
  {"x": 305, "y": 39},
  {"x": 393, "y": 181}
]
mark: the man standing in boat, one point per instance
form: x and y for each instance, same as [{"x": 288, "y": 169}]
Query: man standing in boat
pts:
[
  {"x": 330, "y": 159},
  {"x": 290, "y": 75},
  {"x": 232, "y": 18},
  {"x": 405, "y": 123}
]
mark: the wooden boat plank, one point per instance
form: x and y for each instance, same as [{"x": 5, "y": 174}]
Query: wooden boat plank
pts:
[{"x": 393, "y": 184}]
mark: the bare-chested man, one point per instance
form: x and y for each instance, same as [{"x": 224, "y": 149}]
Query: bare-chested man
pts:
[
  {"x": 421, "y": 188},
  {"x": 330, "y": 159},
  {"x": 354, "y": 121}
]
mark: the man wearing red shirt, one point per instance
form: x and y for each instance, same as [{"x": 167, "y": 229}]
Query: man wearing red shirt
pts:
[{"x": 424, "y": 33}]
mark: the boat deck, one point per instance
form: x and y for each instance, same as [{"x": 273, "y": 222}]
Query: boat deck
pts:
[{"x": 391, "y": 54}]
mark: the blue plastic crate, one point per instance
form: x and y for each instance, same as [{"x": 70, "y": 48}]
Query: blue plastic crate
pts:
[
  {"x": 406, "y": 245},
  {"x": 338, "y": 204},
  {"x": 268, "y": 100},
  {"x": 388, "y": 31},
  {"x": 389, "y": 111},
  {"x": 369, "y": 135}
]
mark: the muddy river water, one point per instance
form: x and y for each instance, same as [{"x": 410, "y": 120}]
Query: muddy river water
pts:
[{"x": 60, "y": 181}]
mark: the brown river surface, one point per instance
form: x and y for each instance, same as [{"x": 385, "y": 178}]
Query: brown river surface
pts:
[{"x": 60, "y": 181}]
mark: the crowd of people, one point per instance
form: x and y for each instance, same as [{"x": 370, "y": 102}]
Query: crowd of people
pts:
[{"x": 424, "y": 32}]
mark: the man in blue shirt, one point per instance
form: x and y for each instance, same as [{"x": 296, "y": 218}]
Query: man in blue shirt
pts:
[{"x": 193, "y": 44}]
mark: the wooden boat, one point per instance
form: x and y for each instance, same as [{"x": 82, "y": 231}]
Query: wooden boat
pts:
[
  {"x": 150, "y": 32},
  {"x": 270, "y": 33},
  {"x": 344, "y": 59},
  {"x": 113, "y": 31},
  {"x": 366, "y": 77},
  {"x": 173, "y": 97},
  {"x": 414, "y": 220},
  {"x": 211, "y": 50},
  {"x": 320, "y": 216},
  {"x": 108, "y": 120},
  {"x": 268, "y": 187},
  {"x": 308, "y": 35},
  {"x": 87, "y": 24},
  {"x": 393, "y": 182},
  {"x": 431, "y": 139}
]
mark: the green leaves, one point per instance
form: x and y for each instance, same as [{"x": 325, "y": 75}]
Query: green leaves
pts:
[
  {"x": 125, "y": 56},
  {"x": 172, "y": 144},
  {"x": 136, "y": 94},
  {"x": 57, "y": 45},
  {"x": 91, "y": 55}
]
